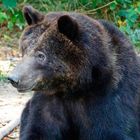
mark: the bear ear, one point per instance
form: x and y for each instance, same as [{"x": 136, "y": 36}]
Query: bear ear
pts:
[
  {"x": 31, "y": 15},
  {"x": 68, "y": 27}
]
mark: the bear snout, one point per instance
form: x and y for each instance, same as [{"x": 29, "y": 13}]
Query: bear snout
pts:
[{"x": 13, "y": 80}]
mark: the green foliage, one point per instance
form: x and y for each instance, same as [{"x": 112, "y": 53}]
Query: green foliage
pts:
[
  {"x": 11, "y": 15},
  {"x": 3, "y": 77},
  {"x": 129, "y": 19},
  {"x": 124, "y": 13},
  {"x": 8, "y": 4}
]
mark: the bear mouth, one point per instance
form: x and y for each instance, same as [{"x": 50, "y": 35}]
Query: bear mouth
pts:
[
  {"x": 23, "y": 89},
  {"x": 37, "y": 86}
]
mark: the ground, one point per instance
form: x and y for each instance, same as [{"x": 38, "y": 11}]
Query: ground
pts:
[
  {"x": 11, "y": 105},
  {"x": 11, "y": 102}
]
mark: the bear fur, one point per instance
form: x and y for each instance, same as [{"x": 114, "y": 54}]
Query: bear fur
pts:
[{"x": 86, "y": 78}]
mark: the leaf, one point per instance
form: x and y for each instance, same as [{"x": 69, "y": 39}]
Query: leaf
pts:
[
  {"x": 3, "y": 17},
  {"x": 138, "y": 9},
  {"x": 129, "y": 23},
  {"x": 113, "y": 6},
  {"x": 10, "y": 25},
  {"x": 132, "y": 15},
  {"x": 20, "y": 25},
  {"x": 128, "y": 1},
  {"x": 122, "y": 13},
  {"x": 9, "y": 3}
]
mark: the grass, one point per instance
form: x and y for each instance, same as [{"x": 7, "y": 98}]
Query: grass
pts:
[{"x": 3, "y": 78}]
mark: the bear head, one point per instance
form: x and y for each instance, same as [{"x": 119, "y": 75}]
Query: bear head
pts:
[{"x": 63, "y": 52}]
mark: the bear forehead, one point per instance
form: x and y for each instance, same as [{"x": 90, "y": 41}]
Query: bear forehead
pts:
[
  {"x": 50, "y": 23},
  {"x": 39, "y": 33}
]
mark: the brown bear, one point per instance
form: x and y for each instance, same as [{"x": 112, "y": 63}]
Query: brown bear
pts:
[{"x": 86, "y": 78}]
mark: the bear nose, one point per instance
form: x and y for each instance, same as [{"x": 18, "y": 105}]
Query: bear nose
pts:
[{"x": 13, "y": 80}]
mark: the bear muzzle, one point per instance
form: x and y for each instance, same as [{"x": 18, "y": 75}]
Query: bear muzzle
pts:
[{"x": 13, "y": 80}]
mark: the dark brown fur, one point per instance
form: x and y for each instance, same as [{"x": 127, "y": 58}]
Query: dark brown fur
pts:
[{"x": 86, "y": 78}]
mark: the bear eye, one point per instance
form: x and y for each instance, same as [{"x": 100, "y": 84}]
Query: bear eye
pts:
[{"x": 41, "y": 56}]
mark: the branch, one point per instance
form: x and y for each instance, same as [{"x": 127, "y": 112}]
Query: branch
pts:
[
  {"x": 94, "y": 10},
  {"x": 9, "y": 127}
]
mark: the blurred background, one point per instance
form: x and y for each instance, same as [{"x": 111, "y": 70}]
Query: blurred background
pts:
[{"x": 123, "y": 13}]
